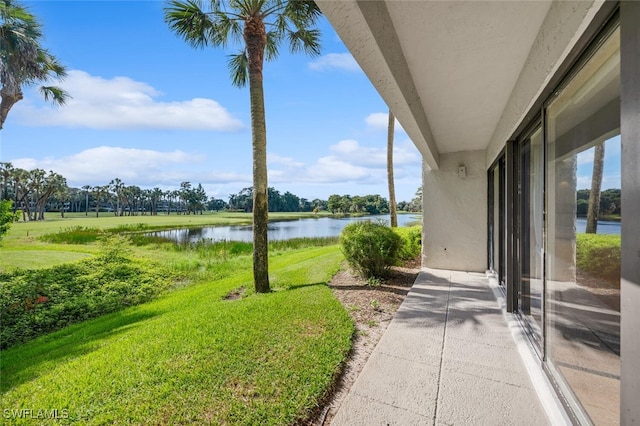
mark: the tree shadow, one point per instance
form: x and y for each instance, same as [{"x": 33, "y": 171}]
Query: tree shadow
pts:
[{"x": 23, "y": 363}]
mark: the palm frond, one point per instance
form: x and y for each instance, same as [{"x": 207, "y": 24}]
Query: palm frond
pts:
[
  {"x": 273, "y": 42},
  {"x": 189, "y": 21},
  {"x": 304, "y": 40},
  {"x": 226, "y": 28},
  {"x": 239, "y": 69},
  {"x": 303, "y": 13},
  {"x": 54, "y": 94}
]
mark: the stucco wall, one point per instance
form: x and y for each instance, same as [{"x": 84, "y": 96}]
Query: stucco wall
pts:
[{"x": 455, "y": 213}]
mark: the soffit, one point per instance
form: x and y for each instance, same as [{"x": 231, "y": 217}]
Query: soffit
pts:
[{"x": 463, "y": 57}]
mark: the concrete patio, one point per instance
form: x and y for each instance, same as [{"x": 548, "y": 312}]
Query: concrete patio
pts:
[{"x": 451, "y": 356}]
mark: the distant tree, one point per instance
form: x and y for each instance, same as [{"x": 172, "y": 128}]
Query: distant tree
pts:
[
  {"x": 593, "y": 211},
  {"x": 23, "y": 60},
  {"x": 156, "y": 197},
  {"x": 392, "y": 189},
  {"x": 260, "y": 26},
  {"x": 99, "y": 192},
  {"x": 117, "y": 186},
  {"x": 86, "y": 189},
  {"x": 6, "y": 171},
  {"x": 7, "y": 217}
]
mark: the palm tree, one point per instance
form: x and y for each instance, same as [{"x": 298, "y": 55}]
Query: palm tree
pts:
[
  {"x": 596, "y": 185},
  {"x": 262, "y": 25},
  {"x": 23, "y": 61},
  {"x": 116, "y": 185},
  {"x": 86, "y": 199},
  {"x": 392, "y": 189}
]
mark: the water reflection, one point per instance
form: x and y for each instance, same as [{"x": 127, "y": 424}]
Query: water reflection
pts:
[{"x": 281, "y": 230}]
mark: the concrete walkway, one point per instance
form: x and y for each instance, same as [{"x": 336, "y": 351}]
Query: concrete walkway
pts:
[{"x": 447, "y": 358}]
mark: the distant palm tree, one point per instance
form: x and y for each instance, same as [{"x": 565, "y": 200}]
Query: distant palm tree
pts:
[
  {"x": 23, "y": 61},
  {"x": 86, "y": 189},
  {"x": 259, "y": 26},
  {"x": 392, "y": 188}
]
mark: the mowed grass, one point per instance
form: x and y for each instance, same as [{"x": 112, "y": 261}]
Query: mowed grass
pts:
[
  {"x": 22, "y": 246},
  {"x": 192, "y": 356}
]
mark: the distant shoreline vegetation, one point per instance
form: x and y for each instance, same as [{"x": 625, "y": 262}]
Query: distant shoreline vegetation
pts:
[
  {"x": 36, "y": 191},
  {"x": 610, "y": 204}
]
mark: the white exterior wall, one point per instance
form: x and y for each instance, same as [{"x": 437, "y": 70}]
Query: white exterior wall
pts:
[{"x": 454, "y": 234}]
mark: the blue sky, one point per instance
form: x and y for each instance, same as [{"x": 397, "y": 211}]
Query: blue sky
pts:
[
  {"x": 152, "y": 111},
  {"x": 611, "y": 176}
]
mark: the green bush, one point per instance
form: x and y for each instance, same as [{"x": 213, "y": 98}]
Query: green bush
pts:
[
  {"x": 371, "y": 248},
  {"x": 599, "y": 256},
  {"x": 35, "y": 302},
  {"x": 411, "y": 242}
]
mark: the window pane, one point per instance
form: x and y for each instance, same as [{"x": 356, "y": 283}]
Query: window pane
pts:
[{"x": 583, "y": 270}]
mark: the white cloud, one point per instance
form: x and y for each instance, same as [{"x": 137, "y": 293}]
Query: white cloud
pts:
[
  {"x": 123, "y": 103},
  {"x": 348, "y": 162},
  {"x": 97, "y": 166},
  {"x": 285, "y": 161},
  {"x": 380, "y": 121},
  {"x": 331, "y": 61}
]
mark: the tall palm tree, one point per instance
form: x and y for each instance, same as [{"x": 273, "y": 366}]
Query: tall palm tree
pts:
[
  {"x": 259, "y": 27},
  {"x": 596, "y": 185},
  {"x": 392, "y": 188},
  {"x": 23, "y": 60},
  {"x": 86, "y": 189}
]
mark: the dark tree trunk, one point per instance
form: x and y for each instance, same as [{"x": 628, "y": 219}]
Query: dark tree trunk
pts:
[
  {"x": 8, "y": 101},
  {"x": 255, "y": 39},
  {"x": 596, "y": 185}
]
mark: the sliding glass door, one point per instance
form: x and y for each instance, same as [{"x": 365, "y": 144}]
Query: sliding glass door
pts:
[{"x": 531, "y": 233}]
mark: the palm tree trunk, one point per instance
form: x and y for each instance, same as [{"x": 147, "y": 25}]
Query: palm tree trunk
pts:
[
  {"x": 392, "y": 189},
  {"x": 8, "y": 101},
  {"x": 596, "y": 185},
  {"x": 255, "y": 38}
]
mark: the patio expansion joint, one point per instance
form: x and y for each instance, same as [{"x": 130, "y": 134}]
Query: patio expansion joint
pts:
[
  {"x": 381, "y": 402},
  {"x": 444, "y": 338}
]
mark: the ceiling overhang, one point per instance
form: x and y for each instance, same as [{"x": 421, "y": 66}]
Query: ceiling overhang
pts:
[{"x": 445, "y": 69}]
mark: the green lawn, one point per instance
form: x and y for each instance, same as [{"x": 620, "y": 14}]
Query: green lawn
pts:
[
  {"x": 25, "y": 236},
  {"x": 193, "y": 357}
]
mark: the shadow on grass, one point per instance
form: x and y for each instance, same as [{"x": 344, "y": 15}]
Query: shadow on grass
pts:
[
  {"x": 23, "y": 363},
  {"x": 301, "y": 286}
]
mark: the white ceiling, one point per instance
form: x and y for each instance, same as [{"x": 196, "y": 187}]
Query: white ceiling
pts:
[{"x": 446, "y": 68}]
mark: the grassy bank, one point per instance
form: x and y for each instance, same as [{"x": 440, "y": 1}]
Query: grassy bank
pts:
[
  {"x": 192, "y": 356},
  {"x": 24, "y": 247}
]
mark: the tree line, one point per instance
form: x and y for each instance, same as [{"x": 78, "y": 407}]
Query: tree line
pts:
[
  {"x": 33, "y": 192},
  {"x": 610, "y": 204}
]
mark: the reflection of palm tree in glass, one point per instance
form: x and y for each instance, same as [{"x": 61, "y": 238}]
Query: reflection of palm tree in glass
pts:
[{"x": 596, "y": 185}]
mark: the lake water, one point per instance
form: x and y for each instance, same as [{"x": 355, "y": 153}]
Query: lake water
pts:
[
  {"x": 281, "y": 230},
  {"x": 604, "y": 227}
]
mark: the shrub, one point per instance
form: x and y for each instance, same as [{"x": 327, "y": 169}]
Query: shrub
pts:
[
  {"x": 411, "y": 242},
  {"x": 36, "y": 302},
  {"x": 371, "y": 248},
  {"x": 599, "y": 256}
]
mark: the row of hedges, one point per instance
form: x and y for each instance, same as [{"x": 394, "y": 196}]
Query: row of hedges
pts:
[
  {"x": 372, "y": 248},
  {"x": 36, "y": 302},
  {"x": 599, "y": 256}
]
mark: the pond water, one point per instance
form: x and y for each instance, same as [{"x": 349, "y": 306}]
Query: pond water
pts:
[
  {"x": 281, "y": 230},
  {"x": 604, "y": 227}
]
